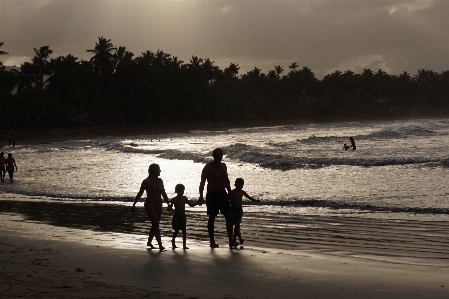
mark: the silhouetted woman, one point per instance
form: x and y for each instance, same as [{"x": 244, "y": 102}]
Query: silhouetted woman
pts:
[
  {"x": 352, "y": 143},
  {"x": 154, "y": 186}
]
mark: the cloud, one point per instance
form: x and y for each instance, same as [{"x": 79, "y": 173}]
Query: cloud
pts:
[
  {"x": 358, "y": 64},
  {"x": 225, "y": 9},
  {"x": 320, "y": 34},
  {"x": 406, "y": 7},
  {"x": 15, "y": 60}
]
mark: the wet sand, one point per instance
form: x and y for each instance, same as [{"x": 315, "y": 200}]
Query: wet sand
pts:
[{"x": 42, "y": 244}]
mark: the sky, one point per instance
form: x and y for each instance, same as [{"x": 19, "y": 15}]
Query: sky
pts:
[{"x": 324, "y": 35}]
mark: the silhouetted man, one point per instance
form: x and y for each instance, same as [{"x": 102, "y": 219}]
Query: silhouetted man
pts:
[{"x": 217, "y": 200}]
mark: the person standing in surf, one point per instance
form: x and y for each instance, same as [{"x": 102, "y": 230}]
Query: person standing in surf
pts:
[
  {"x": 2, "y": 167},
  {"x": 217, "y": 200},
  {"x": 352, "y": 143},
  {"x": 10, "y": 164},
  {"x": 154, "y": 186}
]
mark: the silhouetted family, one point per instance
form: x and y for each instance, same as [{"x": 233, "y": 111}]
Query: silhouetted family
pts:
[{"x": 219, "y": 199}]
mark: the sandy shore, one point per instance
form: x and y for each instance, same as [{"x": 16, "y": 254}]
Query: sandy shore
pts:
[{"x": 42, "y": 244}]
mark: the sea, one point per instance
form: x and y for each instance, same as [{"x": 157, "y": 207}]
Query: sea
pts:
[{"x": 399, "y": 170}]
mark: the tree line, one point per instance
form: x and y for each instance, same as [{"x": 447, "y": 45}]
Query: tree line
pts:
[{"x": 114, "y": 86}]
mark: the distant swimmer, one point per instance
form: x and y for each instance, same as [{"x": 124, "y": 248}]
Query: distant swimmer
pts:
[
  {"x": 352, "y": 143},
  {"x": 345, "y": 147}
]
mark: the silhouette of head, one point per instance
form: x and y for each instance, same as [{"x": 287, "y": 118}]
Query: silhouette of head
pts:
[
  {"x": 217, "y": 154},
  {"x": 179, "y": 187},
  {"x": 154, "y": 170},
  {"x": 239, "y": 182}
]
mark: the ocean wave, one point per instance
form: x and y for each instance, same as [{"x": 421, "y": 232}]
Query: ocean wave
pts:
[
  {"x": 382, "y": 134},
  {"x": 255, "y": 155},
  {"x": 338, "y": 205},
  {"x": 399, "y": 132},
  {"x": 315, "y": 203}
]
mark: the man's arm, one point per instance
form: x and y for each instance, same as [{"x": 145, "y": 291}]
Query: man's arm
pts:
[
  {"x": 202, "y": 183},
  {"x": 249, "y": 197},
  {"x": 187, "y": 201},
  {"x": 227, "y": 183}
]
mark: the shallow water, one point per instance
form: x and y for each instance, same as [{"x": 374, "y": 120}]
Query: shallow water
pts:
[{"x": 399, "y": 169}]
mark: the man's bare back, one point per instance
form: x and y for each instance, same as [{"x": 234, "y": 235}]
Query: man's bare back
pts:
[{"x": 216, "y": 176}]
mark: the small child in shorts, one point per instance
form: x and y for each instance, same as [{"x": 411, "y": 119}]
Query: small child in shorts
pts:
[
  {"x": 236, "y": 208},
  {"x": 179, "y": 221}
]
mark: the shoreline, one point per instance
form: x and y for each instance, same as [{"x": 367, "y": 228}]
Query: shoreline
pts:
[
  {"x": 35, "y": 137},
  {"x": 44, "y": 245}
]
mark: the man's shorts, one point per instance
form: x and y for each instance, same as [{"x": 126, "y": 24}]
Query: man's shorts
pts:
[
  {"x": 217, "y": 201},
  {"x": 179, "y": 222},
  {"x": 237, "y": 214}
]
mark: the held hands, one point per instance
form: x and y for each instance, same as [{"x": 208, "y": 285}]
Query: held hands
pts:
[{"x": 200, "y": 201}]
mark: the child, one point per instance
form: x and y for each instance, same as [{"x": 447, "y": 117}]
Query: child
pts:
[
  {"x": 179, "y": 221},
  {"x": 236, "y": 208},
  {"x": 346, "y": 147}
]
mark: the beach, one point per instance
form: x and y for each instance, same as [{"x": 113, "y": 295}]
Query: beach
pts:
[
  {"x": 66, "y": 230},
  {"x": 52, "y": 251}
]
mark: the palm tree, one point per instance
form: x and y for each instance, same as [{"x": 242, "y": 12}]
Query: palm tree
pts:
[
  {"x": 103, "y": 59},
  {"x": 293, "y": 66},
  {"x": 40, "y": 61},
  {"x": 196, "y": 62},
  {"x": 122, "y": 55},
  {"x": 279, "y": 70},
  {"x": 65, "y": 73},
  {"x": 2, "y": 52},
  {"x": 232, "y": 70},
  {"x": 27, "y": 77}
]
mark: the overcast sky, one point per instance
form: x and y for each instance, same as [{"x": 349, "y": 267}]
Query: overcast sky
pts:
[{"x": 325, "y": 35}]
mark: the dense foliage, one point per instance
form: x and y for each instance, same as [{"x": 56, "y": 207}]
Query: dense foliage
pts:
[{"x": 116, "y": 87}]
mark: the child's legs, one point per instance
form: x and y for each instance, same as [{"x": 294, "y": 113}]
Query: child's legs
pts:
[
  {"x": 173, "y": 243},
  {"x": 237, "y": 232}
]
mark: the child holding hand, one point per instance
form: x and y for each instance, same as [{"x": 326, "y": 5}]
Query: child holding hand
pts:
[
  {"x": 179, "y": 221},
  {"x": 236, "y": 208}
]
